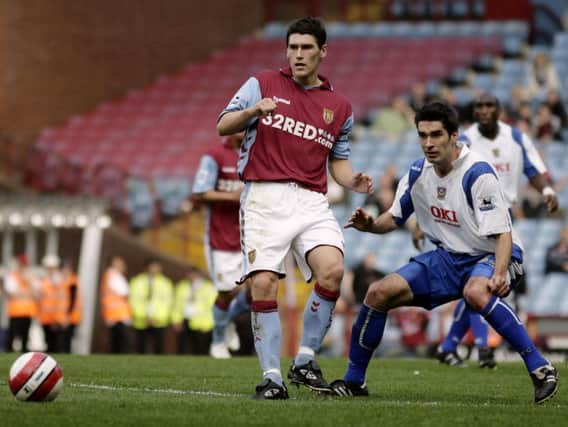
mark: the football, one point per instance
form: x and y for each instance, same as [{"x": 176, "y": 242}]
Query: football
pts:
[{"x": 35, "y": 377}]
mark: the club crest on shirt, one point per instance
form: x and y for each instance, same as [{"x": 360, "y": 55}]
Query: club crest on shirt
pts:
[
  {"x": 219, "y": 277},
  {"x": 327, "y": 115},
  {"x": 441, "y": 193},
  {"x": 252, "y": 256},
  {"x": 495, "y": 152},
  {"x": 486, "y": 204}
]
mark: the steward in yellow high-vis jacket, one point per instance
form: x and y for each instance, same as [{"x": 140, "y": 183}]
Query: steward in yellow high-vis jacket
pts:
[
  {"x": 150, "y": 299},
  {"x": 192, "y": 315}
]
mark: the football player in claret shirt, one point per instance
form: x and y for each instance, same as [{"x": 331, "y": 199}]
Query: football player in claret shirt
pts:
[
  {"x": 217, "y": 185},
  {"x": 460, "y": 206},
  {"x": 513, "y": 155},
  {"x": 296, "y": 127}
]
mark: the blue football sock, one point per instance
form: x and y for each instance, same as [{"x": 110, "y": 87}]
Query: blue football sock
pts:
[
  {"x": 221, "y": 320},
  {"x": 317, "y": 320},
  {"x": 267, "y": 336},
  {"x": 240, "y": 304},
  {"x": 459, "y": 327},
  {"x": 504, "y": 320},
  {"x": 479, "y": 327},
  {"x": 366, "y": 336}
]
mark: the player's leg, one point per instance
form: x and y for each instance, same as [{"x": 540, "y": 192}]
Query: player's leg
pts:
[
  {"x": 480, "y": 329},
  {"x": 327, "y": 264},
  {"x": 239, "y": 304},
  {"x": 504, "y": 320},
  {"x": 218, "y": 348},
  {"x": 428, "y": 280},
  {"x": 318, "y": 250},
  {"x": 390, "y": 292},
  {"x": 268, "y": 219},
  {"x": 447, "y": 351},
  {"x": 267, "y": 334},
  {"x": 225, "y": 269}
]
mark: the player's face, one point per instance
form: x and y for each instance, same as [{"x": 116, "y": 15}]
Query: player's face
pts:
[
  {"x": 486, "y": 111},
  {"x": 437, "y": 144},
  {"x": 304, "y": 57}
]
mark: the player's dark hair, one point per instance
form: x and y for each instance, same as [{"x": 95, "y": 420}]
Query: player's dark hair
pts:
[
  {"x": 308, "y": 25},
  {"x": 438, "y": 111},
  {"x": 485, "y": 96}
]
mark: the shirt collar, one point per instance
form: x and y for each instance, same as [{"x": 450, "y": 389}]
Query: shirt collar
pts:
[{"x": 325, "y": 83}]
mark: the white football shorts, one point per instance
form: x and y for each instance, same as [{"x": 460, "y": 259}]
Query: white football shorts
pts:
[
  {"x": 225, "y": 268},
  {"x": 276, "y": 217}
]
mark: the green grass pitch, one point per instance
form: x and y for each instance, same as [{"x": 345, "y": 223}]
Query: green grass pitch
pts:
[{"x": 171, "y": 391}]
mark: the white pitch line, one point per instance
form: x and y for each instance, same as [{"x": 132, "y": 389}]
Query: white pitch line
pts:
[
  {"x": 148, "y": 390},
  {"x": 154, "y": 390}
]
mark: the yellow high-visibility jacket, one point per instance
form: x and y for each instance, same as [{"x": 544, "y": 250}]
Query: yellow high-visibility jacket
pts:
[
  {"x": 153, "y": 304},
  {"x": 194, "y": 304}
]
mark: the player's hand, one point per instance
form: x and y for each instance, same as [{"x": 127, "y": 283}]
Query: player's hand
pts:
[
  {"x": 360, "y": 220},
  {"x": 362, "y": 183},
  {"x": 498, "y": 285},
  {"x": 266, "y": 106},
  {"x": 551, "y": 201},
  {"x": 418, "y": 238}
]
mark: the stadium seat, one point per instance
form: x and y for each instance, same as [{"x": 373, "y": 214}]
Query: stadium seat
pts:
[
  {"x": 512, "y": 46},
  {"x": 484, "y": 81},
  {"x": 275, "y": 30}
]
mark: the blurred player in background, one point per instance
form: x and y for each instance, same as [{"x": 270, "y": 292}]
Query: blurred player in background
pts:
[
  {"x": 513, "y": 155},
  {"x": 217, "y": 185},
  {"x": 460, "y": 205},
  {"x": 296, "y": 126}
]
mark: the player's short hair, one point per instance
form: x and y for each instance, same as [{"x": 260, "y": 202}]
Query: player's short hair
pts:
[
  {"x": 438, "y": 111},
  {"x": 308, "y": 25},
  {"x": 486, "y": 96}
]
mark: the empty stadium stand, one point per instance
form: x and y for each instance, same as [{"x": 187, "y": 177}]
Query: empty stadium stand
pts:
[{"x": 157, "y": 134}]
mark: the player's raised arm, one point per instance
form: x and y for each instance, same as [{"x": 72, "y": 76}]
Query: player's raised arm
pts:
[
  {"x": 235, "y": 121},
  {"x": 244, "y": 108},
  {"x": 363, "y": 221}
]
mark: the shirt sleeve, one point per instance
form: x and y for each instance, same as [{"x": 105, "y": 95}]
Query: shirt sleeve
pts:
[
  {"x": 402, "y": 206},
  {"x": 464, "y": 140},
  {"x": 533, "y": 164},
  {"x": 206, "y": 176},
  {"x": 341, "y": 149},
  {"x": 489, "y": 206},
  {"x": 247, "y": 96}
]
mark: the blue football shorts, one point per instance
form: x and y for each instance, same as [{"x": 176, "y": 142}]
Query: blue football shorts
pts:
[{"x": 438, "y": 276}]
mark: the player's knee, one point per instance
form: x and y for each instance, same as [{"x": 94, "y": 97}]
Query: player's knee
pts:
[
  {"x": 331, "y": 277},
  {"x": 476, "y": 294},
  {"x": 263, "y": 286},
  {"x": 378, "y": 295}
]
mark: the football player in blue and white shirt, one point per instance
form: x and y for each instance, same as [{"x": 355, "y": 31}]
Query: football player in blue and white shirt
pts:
[
  {"x": 513, "y": 155},
  {"x": 460, "y": 206}
]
